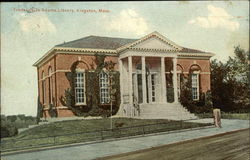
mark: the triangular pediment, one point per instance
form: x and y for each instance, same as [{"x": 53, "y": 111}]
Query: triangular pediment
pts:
[{"x": 153, "y": 41}]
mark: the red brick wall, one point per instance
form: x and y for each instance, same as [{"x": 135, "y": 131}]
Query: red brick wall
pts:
[
  {"x": 61, "y": 63},
  {"x": 45, "y": 68},
  {"x": 205, "y": 70}
]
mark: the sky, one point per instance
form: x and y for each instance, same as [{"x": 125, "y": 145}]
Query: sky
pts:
[{"x": 30, "y": 29}]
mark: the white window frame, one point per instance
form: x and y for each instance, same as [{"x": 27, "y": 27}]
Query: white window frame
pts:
[
  {"x": 104, "y": 88},
  {"x": 195, "y": 85},
  {"x": 80, "y": 84}
]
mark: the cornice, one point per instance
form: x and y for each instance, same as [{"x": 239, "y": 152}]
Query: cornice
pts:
[
  {"x": 86, "y": 50},
  {"x": 184, "y": 55},
  {"x": 154, "y": 34},
  {"x": 65, "y": 50},
  {"x": 153, "y": 50}
]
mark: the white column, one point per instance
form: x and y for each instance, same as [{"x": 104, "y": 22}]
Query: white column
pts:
[
  {"x": 143, "y": 74},
  {"x": 163, "y": 81},
  {"x": 130, "y": 87},
  {"x": 175, "y": 79},
  {"x": 121, "y": 85}
]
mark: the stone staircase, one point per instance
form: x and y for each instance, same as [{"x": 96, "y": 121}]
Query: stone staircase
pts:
[{"x": 173, "y": 111}]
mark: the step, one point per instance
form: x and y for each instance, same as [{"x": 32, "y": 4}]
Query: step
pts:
[{"x": 174, "y": 111}]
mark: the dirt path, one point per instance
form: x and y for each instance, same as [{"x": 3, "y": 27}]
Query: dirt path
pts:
[{"x": 233, "y": 146}]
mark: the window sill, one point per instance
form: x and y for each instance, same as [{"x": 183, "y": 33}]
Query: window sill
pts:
[
  {"x": 80, "y": 104},
  {"x": 105, "y": 104}
]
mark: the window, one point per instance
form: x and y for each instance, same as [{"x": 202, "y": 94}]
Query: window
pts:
[
  {"x": 43, "y": 87},
  {"x": 153, "y": 87},
  {"x": 104, "y": 88},
  {"x": 80, "y": 88},
  {"x": 195, "y": 86},
  {"x": 50, "y": 86}
]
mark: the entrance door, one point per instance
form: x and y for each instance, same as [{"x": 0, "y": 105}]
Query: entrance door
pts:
[
  {"x": 139, "y": 87},
  {"x": 153, "y": 87}
]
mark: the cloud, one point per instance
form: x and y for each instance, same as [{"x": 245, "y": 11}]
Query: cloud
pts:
[
  {"x": 36, "y": 23},
  {"x": 128, "y": 21},
  {"x": 217, "y": 18}
]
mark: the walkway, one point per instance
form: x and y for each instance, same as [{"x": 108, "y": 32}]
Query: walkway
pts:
[{"x": 92, "y": 151}]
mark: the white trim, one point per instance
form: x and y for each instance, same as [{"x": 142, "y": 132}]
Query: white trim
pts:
[
  {"x": 80, "y": 51},
  {"x": 185, "y": 55},
  {"x": 156, "y": 34},
  {"x": 83, "y": 88},
  {"x": 105, "y": 86},
  {"x": 197, "y": 87},
  {"x": 146, "y": 54}
]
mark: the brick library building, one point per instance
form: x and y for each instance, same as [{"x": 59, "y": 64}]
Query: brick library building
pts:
[{"x": 150, "y": 71}]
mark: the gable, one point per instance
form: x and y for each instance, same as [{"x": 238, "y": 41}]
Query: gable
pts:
[{"x": 154, "y": 43}]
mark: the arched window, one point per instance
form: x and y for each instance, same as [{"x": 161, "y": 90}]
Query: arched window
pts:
[
  {"x": 50, "y": 86},
  {"x": 195, "y": 86},
  {"x": 43, "y": 87},
  {"x": 79, "y": 68},
  {"x": 104, "y": 88},
  {"x": 195, "y": 82}
]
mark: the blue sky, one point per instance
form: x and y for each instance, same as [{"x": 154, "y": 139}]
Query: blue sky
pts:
[{"x": 25, "y": 36}]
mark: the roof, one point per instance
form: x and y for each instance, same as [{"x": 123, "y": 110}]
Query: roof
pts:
[
  {"x": 189, "y": 50},
  {"x": 111, "y": 45},
  {"x": 97, "y": 42}
]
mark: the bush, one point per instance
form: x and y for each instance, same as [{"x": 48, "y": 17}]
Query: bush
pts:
[
  {"x": 203, "y": 105},
  {"x": 52, "y": 110},
  {"x": 8, "y": 130}
]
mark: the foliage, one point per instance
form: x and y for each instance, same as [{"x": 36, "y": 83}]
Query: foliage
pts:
[
  {"x": 203, "y": 105},
  {"x": 52, "y": 110},
  {"x": 19, "y": 121},
  {"x": 229, "y": 85},
  {"x": 93, "y": 106},
  {"x": 8, "y": 130},
  {"x": 39, "y": 110}
]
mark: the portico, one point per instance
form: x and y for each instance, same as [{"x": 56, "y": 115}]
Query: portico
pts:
[{"x": 143, "y": 80}]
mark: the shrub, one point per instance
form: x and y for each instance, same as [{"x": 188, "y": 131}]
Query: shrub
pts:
[
  {"x": 8, "y": 130},
  {"x": 52, "y": 111},
  {"x": 203, "y": 105}
]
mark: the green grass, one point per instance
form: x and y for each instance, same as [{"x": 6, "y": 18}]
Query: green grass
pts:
[
  {"x": 90, "y": 130},
  {"x": 242, "y": 116}
]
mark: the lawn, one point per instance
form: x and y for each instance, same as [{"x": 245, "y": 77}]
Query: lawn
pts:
[
  {"x": 242, "y": 116},
  {"x": 90, "y": 130}
]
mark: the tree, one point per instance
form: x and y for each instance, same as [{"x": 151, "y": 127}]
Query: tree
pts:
[{"x": 230, "y": 83}]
